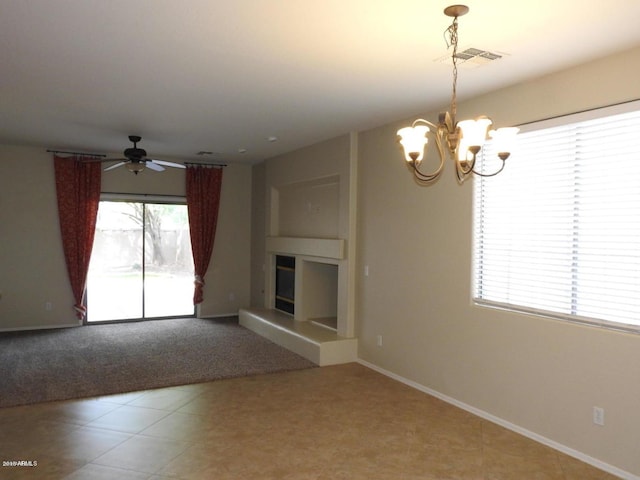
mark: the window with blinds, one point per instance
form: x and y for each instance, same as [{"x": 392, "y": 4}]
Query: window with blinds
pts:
[{"x": 557, "y": 233}]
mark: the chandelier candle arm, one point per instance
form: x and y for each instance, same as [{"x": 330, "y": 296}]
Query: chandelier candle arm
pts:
[{"x": 464, "y": 140}]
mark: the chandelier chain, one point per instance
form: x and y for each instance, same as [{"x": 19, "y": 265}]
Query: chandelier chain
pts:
[{"x": 452, "y": 41}]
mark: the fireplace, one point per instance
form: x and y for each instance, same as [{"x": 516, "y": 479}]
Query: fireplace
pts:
[
  {"x": 307, "y": 289},
  {"x": 305, "y": 308},
  {"x": 285, "y": 284}
]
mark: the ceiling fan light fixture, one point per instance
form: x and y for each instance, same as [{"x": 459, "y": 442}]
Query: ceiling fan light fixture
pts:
[{"x": 135, "y": 167}]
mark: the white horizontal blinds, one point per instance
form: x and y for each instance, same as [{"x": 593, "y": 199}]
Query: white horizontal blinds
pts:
[
  {"x": 523, "y": 233},
  {"x": 608, "y": 185},
  {"x": 558, "y": 231}
]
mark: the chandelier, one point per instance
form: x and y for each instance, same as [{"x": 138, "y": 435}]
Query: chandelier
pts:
[{"x": 463, "y": 140}]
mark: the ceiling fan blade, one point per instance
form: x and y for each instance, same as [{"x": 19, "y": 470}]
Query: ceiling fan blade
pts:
[
  {"x": 167, "y": 164},
  {"x": 153, "y": 166},
  {"x": 111, "y": 167},
  {"x": 100, "y": 160},
  {"x": 114, "y": 159},
  {"x": 95, "y": 160}
]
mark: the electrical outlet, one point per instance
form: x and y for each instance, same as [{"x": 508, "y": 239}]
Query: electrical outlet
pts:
[
  {"x": 48, "y": 306},
  {"x": 379, "y": 340},
  {"x": 598, "y": 416}
]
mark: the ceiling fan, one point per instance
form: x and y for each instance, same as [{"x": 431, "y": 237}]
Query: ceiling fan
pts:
[{"x": 136, "y": 159}]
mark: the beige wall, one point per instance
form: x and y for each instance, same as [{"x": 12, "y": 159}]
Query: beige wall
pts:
[
  {"x": 228, "y": 279},
  {"x": 539, "y": 374},
  {"x": 258, "y": 234},
  {"x": 32, "y": 269}
]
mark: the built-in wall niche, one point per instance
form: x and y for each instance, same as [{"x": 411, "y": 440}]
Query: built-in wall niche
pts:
[
  {"x": 320, "y": 293},
  {"x": 308, "y": 209}
]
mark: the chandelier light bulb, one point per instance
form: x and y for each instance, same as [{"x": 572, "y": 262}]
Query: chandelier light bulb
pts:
[
  {"x": 504, "y": 140},
  {"x": 474, "y": 132},
  {"x": 414, "y": 139},
  {"x": 464, "y": 154}
]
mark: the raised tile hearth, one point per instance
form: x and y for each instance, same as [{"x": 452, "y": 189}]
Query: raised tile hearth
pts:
[{"x": 312, "y": 341}]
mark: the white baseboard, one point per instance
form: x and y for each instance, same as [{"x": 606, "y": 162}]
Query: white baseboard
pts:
[
  {"x": 508, "y": 425},
  {"x": 219, "y": 315},
  {"x": 41, "y": 327}
]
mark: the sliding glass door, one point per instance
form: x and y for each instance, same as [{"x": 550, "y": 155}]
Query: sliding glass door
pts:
[{"x": 141, "y": 264}]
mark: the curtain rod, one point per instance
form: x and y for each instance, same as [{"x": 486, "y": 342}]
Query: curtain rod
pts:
[
  {"x": 77, "y": 153},
  {"x": 205, "y": 164}
]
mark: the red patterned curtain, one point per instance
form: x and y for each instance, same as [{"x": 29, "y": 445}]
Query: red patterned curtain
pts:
[
  {"x": 203, "y": 200},
  {"x": 78, "y": 191}
]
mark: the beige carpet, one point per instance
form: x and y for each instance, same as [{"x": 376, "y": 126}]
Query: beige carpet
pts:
[{"x": 45, "y": 365}]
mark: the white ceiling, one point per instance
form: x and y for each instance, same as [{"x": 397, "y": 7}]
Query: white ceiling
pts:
[{"x": 224, "y": 75}]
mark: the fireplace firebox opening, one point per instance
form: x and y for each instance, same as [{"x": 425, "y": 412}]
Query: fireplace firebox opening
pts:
[{"x": 285, "y": 283}]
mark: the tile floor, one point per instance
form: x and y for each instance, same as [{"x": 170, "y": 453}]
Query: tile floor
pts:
[{"x": 341, "y": 422}]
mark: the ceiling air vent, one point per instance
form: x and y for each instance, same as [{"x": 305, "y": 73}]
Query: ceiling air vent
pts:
[{"x": 472, "y": 57}]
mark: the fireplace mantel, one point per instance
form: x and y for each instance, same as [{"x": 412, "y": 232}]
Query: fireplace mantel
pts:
[{"x": 312, "y": 247}]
